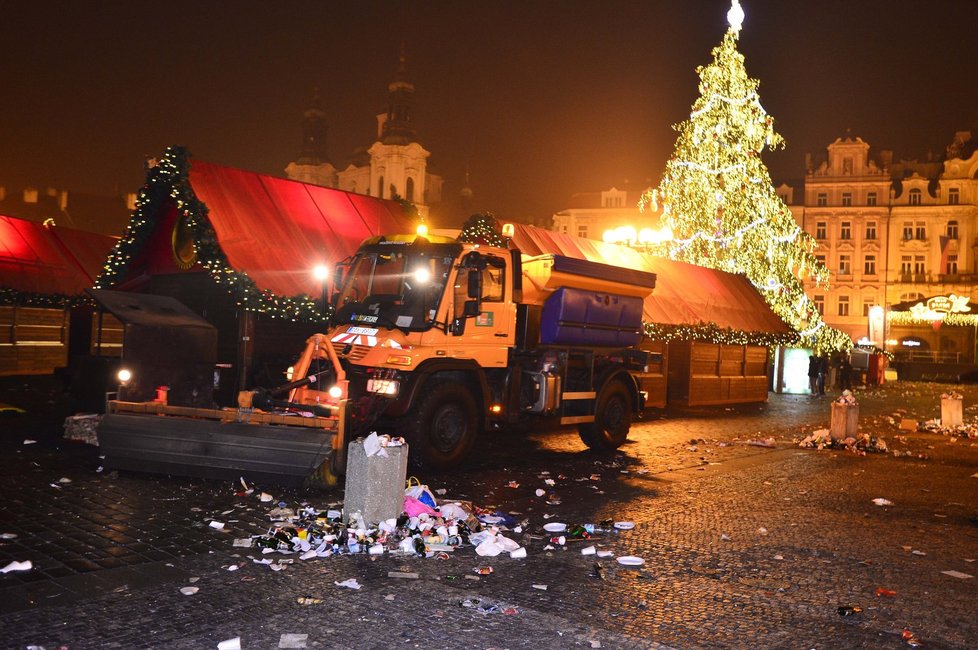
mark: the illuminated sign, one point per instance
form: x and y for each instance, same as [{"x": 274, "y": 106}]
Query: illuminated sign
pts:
[{"x": 935, "y": 308}]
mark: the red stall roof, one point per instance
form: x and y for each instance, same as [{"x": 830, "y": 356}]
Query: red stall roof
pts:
[
  {"x": 684, "y": 294},
  {"x": 278, "y": 230},
  {"x": 49, "y": 260}
]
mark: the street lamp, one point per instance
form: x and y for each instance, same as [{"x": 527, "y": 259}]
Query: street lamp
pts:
[{"x": 321, "y": 273}]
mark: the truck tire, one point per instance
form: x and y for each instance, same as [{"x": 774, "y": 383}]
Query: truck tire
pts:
[
  {"x": 612, "y": 419},
  {"x": 443, "y": 428}
]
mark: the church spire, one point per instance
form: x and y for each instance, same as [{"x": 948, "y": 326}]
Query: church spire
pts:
[
  {"x": 314, "y": 130},
  {"x": 398, "y": 127}
]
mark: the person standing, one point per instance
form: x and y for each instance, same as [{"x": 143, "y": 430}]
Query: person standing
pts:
[
  {"x": 813, "y": 374},
  {"x": 845, "y": 373},
  {"x": 823, "y": 370}
]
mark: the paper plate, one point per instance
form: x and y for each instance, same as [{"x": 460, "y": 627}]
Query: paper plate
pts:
[
  {"x": 555, "y": 527},
  {"x": 631, "y": 560},
  {"x": 624, "y": 525}
]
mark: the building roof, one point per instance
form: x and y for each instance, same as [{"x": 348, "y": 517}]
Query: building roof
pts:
[
  {"x": 684, "y": 294},
  {"x": 260, "y": 234},
  {"x": 49, "y": 260}
]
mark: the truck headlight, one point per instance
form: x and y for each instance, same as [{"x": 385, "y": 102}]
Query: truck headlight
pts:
[{"x": 383, "y": 386}]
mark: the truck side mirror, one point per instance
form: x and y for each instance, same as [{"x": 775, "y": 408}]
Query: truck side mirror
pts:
[
  {"x": 471, "y": 308},
  {"x": 474, "y": 288}
]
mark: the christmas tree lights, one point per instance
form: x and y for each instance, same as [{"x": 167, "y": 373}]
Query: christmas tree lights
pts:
[
  {"x": 717, "y": 196},
  {"x": 482, "y": 228}
]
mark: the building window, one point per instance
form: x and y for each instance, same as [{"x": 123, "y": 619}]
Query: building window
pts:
[
  {"x": 409, "y": 190},
  {"x": 867, "y": 305},
  {"x": 582, "y": 232},
  {"x": 871, "y": 198},
  {"x": 952, "y": 264},
  {"x": 906, "y": 265},
  {"x": 907, "y": 230},
  {"x": 819, "y": 304},
  {"x": 820, "y": 259},
  {"x": 843, "y": 305},
  {"x": 846, "y": 199},
  {"x": 821, "y": 230},
  {"x": 846, "y": 231},
  {"x": 869, "y": 265},
  {"x": 822, "y": 199},
  {"x": 870, "y": 230},
  {"x": 914, "y": 197},
  {"x": 563, "y": 230},
  {"x": 952, "y": 229},
  {"x": 920, "y": 232},
  {"x": 913, "y": 295},
  {"x": 380, "y": 187},
  {"x": 919, "y": 265},
  {"x": 845, "y": 265},
  {"x": 953, "y": 196}
]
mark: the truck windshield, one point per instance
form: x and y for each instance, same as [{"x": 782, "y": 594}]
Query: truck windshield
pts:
[{"x": 395, "y": 286}]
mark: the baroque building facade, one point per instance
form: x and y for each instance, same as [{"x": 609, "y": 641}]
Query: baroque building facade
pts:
[
  {"x": 590, "y": 214},
  {"x": 895, "y": 235},
  {"x": 395, "y": 165}
]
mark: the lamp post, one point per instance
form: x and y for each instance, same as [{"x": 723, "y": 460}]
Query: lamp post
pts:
[{"x": 321, "y": 273}]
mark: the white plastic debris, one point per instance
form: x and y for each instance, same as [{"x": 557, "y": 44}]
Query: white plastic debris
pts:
[
  {"x": 540, "y": 587},
  {"x": 349, "y": 583},
  {"x": 189, "y": 591},
  {"x": 518, "y": 553},
  {"x": 265, "y": 497},
  {"x": 230, "y": 644},
  {"x": 882, "y": 502},
  {"x": 293, "y": 640},
  {"x": 957, "y": 574},
  {"x": 217, "y": 525},
  {"x": 371, "y": 444},
  {"x": 589, "y": 550},
  {"x": 17, "y": 566}
]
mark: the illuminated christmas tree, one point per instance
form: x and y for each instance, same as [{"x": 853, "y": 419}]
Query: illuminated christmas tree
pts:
[{"x": 717, "y": 197}]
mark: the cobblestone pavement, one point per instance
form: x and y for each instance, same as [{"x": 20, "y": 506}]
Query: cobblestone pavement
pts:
[{"x": 747, "y": 541}]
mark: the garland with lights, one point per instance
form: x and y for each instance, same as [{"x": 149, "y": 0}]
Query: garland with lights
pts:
[
  {"x": 713, "y": 333},
  {"x": 908, "y": 318},
  {"x": 717, "y": 196},
  {"x": 13, "y": 297},
  {"x": 168, "y": 182},
  {"x": 482, "y": 228}
]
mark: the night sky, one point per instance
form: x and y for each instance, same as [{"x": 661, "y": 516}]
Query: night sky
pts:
[{"x": 538, "y": 99}]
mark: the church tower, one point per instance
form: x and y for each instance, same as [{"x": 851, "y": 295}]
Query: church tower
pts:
[{"x": 312, "y": 165}]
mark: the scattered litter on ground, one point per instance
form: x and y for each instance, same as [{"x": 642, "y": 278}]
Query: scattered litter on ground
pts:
[
  {"x": 957, "y": 574},
  {"x": 25, "y": 565},
  {"x": 82, "y": 428},
  {"x": 910, "y": 639},
  {"x": 189, "y": 591},
  {"x": 230, "y": 644},
  {"x": 349, "y": 583},
  {"x": 409, "y": 575},
  {"x": 486, "y": 606},
  {"x": 859, "y": 444},
  {"x": 630, "y": 560},
  {"x": 849, "y": 610},
  {"x": 766, "y": 442},
  {"x": 293, "y": 640},
  {"x": 540, "y": 587},
  {"x": 889, "y": 593},
  {"x": 882, "y": 502}
]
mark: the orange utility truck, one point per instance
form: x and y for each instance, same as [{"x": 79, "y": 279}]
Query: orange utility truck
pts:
[{"x": 434, "y": 339}]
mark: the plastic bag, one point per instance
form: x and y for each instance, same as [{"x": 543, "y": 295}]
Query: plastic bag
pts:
[
  {"x": 413, "y": 507},
  {"x": 420, "y": 492}
]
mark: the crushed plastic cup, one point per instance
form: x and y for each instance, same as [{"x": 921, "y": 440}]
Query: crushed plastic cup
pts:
[
  {"x": 230, "y": 644},
  {"x": 518, "y": 553},
  {"x": 189, "y": 591},
  {"x": 589, "y": 550},
  {"x": 349, "y": 583},
  {"x": 624, "y": 525}
]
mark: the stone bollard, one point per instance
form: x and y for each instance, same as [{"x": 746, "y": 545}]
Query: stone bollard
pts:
[
  {"x": 952, "y": 411},
  {"x": 845, "y": 420},
  {"x": 375, "y": 483}
]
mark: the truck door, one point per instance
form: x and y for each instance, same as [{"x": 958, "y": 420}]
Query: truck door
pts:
[{"x": 493, "y": 329}]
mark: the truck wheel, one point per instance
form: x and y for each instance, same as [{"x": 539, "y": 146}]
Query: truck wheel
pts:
[
  {"x": 612, "y": 419},
  {"x": 444, "y": 427}
]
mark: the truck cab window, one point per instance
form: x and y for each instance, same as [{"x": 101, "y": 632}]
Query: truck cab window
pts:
[{"x": 492, "y": 283}]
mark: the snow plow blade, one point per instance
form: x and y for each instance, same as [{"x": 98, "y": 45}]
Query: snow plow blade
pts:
[{"x": 226, "y": 443}]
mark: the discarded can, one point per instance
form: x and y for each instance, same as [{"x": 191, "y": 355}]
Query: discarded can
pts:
[
  {"x": 910, "y": 639},
  {"x": 484, "y": 570},
  {"x": 849, "y": 610},
  {"x": 889, "y": 593},
  {"x": 308, "y": 601},
  {"x": 558, "y": 540}
]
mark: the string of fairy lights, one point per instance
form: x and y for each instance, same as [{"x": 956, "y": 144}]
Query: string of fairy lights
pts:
[{"x": 167, "y": 182}]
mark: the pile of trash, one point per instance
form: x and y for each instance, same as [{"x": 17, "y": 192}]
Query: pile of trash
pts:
[
  {"x": 860, "y": 444},
  {"x": 432, "y": 531},
  {"x": 961, "y": 431},
  {"x": 846, "y": 398}
]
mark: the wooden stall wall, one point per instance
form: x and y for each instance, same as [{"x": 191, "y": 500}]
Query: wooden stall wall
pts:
[
  {"x": 703, "y": 374},
  {"x": 653, "y": 381},
  {"x": 33, "y": 340}
]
